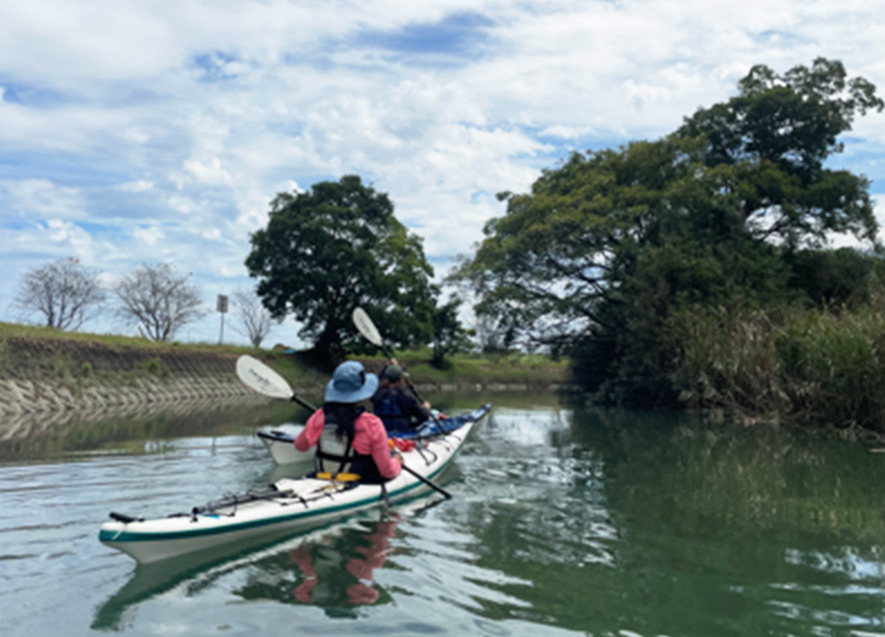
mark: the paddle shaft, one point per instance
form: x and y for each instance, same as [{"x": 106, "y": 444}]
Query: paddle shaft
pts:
[
  {"x": 303, "y": 403},
  {"x": 428, "y": 482}
]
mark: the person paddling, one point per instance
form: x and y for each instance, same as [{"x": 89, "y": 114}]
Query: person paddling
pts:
[
  {"x": 349, "y": 439},
  {"x": 397, "y": 408}
]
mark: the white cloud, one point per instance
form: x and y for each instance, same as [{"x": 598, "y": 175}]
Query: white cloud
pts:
[
  {"x": 64, "y": 232},
  {"x": 208, "y": 172},
  {"x": 213, "y": 234},
  {"x": 164, "y": 131},
  {"x": 40, "y": 198},
  {"x": 136, "y": 186},
  {"x": 149, "y": 236}
]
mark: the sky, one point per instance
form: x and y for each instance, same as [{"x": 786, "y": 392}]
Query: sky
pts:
[{"x": 141, "y": 131}]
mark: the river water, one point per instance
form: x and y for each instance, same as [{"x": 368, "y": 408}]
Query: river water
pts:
[{"x": 563, "y": 522}]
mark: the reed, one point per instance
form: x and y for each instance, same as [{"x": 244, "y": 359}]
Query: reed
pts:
[{"x": 816, "y": 367}]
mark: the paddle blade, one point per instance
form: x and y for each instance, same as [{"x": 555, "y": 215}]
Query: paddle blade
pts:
[
  {"x": 366, "y": 327},
  {"x": 262, "y": 378}
]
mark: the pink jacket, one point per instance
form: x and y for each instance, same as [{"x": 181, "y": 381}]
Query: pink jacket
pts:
[{"x": 370, "y": 438}]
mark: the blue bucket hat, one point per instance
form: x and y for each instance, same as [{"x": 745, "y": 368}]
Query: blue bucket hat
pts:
[{"x": 350, "y": 384}]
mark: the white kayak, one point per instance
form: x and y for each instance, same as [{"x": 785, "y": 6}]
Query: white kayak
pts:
[
  {"x": 286, "y": 506},
  {"x": 282, "y": 449}
]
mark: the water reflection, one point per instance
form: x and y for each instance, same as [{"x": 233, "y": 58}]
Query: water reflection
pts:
[
  {"x": 332, "y": 568},
  {"x": 127, "y": 429},
  {"x": 333, "y": 575}
]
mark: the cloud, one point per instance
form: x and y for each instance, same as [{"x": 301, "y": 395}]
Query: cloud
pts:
[
  {"x": 148, "y": 236},
  {"x": 163, "y": 132},
  {"x": 40, "y": 198},
  {"x": 136, "y": 186},
  {"x": 208, "y": 172}
]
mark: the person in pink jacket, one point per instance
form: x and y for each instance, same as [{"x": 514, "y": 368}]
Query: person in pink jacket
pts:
[{"x": 348, "y": 438}]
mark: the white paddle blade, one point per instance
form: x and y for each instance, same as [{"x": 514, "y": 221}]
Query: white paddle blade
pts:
[
  {"x": 366, "y": 327},
  {"x": 262, "y": 378}
]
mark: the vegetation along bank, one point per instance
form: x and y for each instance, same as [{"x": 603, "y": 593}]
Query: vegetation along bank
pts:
[{"x": 44, "y": 370}]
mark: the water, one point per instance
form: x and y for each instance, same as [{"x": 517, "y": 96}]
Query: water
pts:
[{"x": 601, "y": 522}]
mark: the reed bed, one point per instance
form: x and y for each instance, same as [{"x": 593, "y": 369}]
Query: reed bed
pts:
[{"x": 816, "y": 367}]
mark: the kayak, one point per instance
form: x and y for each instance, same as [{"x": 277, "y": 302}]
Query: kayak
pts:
[
  {"x": 282, "y": 449},
  {"x": 286, "y": 506}
]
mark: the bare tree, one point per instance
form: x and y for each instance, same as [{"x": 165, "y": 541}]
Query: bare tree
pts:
[
  {"x": 159, "y": 300},
  {"x": 65, "y": 292},
  {"x": 251, "y": 314}
]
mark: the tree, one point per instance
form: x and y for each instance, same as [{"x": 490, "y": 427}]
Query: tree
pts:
[
  {"x": 602, "y": 250},
  {"x": 159, "y": 299},
  {"x": 770, "y": 142},
  {"x": 335, "y": 247},
  {"x": 449, "y": 335},
  {"x": 254, "y": 318},
  {"x": 65, "y": 292}
]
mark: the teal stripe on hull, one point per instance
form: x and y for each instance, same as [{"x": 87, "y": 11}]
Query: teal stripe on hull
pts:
[{"x": 114, "y": 537}]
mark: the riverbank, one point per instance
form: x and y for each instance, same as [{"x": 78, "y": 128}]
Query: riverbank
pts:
[{"x": 46, "y": 372}]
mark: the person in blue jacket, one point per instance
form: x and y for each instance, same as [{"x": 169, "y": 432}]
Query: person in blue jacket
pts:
[{"x": 398, "y": 409}]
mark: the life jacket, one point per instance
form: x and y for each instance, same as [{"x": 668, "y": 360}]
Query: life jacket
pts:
[
  {"x": 335, "y": 453},
  {"x": 388, "y": 409}
]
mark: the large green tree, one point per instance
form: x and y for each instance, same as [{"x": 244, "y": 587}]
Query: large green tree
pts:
[
  {"x": 769, "y": 144},
  {"x": 597, "y": 255},
  {"x": 333, "y": 248}
]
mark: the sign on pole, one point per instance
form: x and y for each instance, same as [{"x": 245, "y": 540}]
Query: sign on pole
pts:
[{"x": 221, "y": 306}]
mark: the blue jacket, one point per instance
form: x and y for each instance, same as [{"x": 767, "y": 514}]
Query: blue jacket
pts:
[{"x": 398, "y": 409}]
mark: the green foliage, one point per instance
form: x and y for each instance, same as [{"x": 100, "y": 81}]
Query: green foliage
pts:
[
  {"x": 836, "y": 277},
  {"x": 820, "y": 367},
  {"x": 770, "y": 143},
  {"x": 601, "y": 259},
  {"x": 834, "y": 365},
  {"x": 155, "y": 367},
  {"x": 333, "y": 248}
]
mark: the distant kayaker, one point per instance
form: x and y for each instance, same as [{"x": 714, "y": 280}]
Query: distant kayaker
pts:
[
  {"x": 349, "y": 439},
  {"x": 398, "y": 408}
]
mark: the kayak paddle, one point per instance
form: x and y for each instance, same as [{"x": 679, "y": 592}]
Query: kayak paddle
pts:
[{"x": 266, "y": 381}]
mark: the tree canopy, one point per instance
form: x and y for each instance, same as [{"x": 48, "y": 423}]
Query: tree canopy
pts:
[
  {"x": 603, "y": 249},
  {"x": 333, "y": 248}
]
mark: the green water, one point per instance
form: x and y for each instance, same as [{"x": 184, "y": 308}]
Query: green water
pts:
[{"x": 600, "y": 522}]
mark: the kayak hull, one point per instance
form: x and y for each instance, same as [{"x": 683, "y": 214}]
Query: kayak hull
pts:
[{"x": 288, "y": 506}]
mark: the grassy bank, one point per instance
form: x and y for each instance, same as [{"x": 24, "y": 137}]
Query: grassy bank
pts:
[
  {"x": 818, "y": 367},
  {"x": 78, "y": 357}
]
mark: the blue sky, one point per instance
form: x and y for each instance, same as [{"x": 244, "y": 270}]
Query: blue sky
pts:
[{"x": 146, "y": 131}]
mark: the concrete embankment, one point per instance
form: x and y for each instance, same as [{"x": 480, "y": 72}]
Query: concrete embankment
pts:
[
  {"x": 46, "y": 377},
  {"x": 45, "y": 382}
]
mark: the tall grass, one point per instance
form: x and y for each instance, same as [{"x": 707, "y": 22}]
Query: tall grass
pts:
[{"x": 821, "y": 367}]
